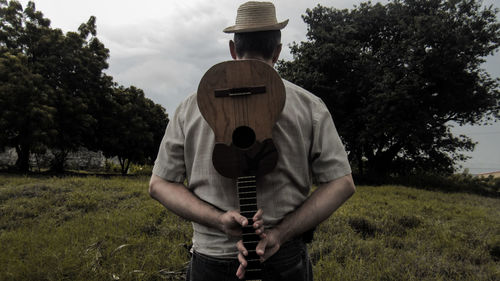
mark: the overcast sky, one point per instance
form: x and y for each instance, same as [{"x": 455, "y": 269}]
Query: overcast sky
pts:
[{"x": 164, "y": 47}]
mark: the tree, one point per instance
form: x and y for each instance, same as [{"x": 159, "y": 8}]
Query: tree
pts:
[
  {"x": 25, "y": 118},
  {"x": 58, "y": 76},
  {"x": 395, "y": 76},
  {"x": 79, "y": 83},
  {"x": 134, "y": 127},
  {"x": 25, "y": 115}
]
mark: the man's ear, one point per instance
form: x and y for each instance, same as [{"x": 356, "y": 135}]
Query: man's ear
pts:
[
  {"x": 232, "y": 49},
  {"x": 276, "y": 54}
]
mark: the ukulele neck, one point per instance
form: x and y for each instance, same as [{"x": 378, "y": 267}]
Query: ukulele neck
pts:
[{"x": 247, "y": 194}]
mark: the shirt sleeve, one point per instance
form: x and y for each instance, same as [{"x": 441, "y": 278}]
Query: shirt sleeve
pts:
[
  {"x": 328, "y": 156},
  {"x": 169, "y": 163}
]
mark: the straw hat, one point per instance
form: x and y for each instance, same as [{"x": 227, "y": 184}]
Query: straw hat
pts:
[{"x": 256, "y": 16}]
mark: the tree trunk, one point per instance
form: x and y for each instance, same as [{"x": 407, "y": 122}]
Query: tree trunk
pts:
[
  {"x": 124, "y": 163},
  {"x": 359, "y": 159},
  {"x": 57, "y": 164},
  {"x": 126, "y": 168},
  {"x": 380, "y": 164},
  {"x": 378, "y": 170},
  {"x": 23, "y": 158}
]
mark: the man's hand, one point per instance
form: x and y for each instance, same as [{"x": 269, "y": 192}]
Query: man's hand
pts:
[
  {"x": 319, "y": 206},
  {"x": 231, "y": 222},
  {"x": 268, "y": 246}
]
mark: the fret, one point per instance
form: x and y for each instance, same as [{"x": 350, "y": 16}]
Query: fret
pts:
[
  {"x": 251, "y": 187},
  {"x": 252, "y": 255},
  {"x": 247, "y": 192},
  {"x": 246, "y": 187},
  {"x": 254, "y": 263},
  {"x": 251, "y": 242},
  {"x": 241, "y": 182},
  {"x": 251, "y": 245},
  {"x": 249, "y": 215},
  {"x": 246, "y": 181},
  {"x": 252, "y": 204},
  {"x": 248, "y": 200},
  {"x": 241, "y": 190},
  {"x": 246, "y": 230},
  {"x": 247, "y": 177},
  {"x": 248, "y": 208},
  {"x": 251, "y": 237},
  {"x": 248, "y": 196},
  {"x": 253, "y": 274}
]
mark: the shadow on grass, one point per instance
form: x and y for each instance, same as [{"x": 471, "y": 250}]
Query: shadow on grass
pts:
[
  {"x": 67, "y": 173},
  {"x": 456, "y": 183}
]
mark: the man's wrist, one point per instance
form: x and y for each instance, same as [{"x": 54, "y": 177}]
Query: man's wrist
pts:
[
  {"x": 280, "y": 233},
  {"x": 218, "y": 222}
]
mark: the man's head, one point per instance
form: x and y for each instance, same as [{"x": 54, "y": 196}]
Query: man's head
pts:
[
  {"x": 257, "y": 32},
  {"x": 264, "y": 45}
]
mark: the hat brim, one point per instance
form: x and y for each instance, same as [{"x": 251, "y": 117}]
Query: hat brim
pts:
[{"x": 237, "y": 29}]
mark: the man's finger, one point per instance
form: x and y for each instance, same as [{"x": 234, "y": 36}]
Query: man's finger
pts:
[
  {"x": 261, "y": 247},
  {"x": 259, "y": 227},
  {"x": 260, "y": 230},
  {"x": 239, "y": 219},
  {"x": 241, "y": 248},
  {"x": 258, "y": 224},
  {"x": 242, "y": 260},
  {"x": 240, "y": 273},
  {"x": 258, "y": 215}
]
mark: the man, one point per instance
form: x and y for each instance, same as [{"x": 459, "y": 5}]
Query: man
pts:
[{"x": 309, "y": 147}]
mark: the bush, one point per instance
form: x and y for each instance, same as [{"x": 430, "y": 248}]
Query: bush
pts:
[
  {"x": 140, "y": 170},
  {"x": 111, "y": 167}
]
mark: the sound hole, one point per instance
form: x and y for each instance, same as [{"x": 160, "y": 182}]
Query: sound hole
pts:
[{"x": 243, "y": 137}]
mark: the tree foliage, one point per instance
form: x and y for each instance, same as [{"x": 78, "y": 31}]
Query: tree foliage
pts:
[
  {"x": 74, "y": 70},
  {"x": 26, "y": 115},
  {"x": 395, "y": 76},
  {"x": 54, "y": 93},
  {"x": 134, "y": 129}
]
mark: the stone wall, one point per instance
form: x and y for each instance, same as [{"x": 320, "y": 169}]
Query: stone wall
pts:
[
  {"x": 82, "y": 159},
  {"x": 8, "y": 158}
]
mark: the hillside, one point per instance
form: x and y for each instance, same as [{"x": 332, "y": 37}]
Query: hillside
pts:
[{"x": 78, "y": 228}]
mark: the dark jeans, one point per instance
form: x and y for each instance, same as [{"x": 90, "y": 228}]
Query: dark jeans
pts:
[{"x": 290, "y": 263}]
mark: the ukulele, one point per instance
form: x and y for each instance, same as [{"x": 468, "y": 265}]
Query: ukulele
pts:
[{"x": 241, "y": 101}]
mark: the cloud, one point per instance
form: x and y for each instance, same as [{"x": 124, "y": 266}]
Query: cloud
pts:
[
  {"x": 164, "y": 47},
  {"x": 167, "y": 58}
]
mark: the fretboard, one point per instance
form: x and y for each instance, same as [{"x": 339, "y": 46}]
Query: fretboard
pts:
[{"x": 247, "y": 194}]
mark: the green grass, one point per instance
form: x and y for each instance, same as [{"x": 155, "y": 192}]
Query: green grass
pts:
[{"x": 88, "y": 228}]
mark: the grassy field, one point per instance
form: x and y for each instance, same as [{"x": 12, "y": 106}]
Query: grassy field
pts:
[{"x": 88, "y": 228}]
